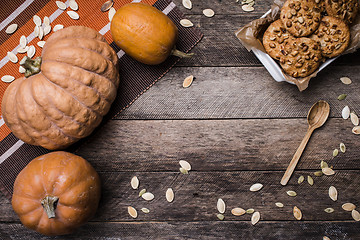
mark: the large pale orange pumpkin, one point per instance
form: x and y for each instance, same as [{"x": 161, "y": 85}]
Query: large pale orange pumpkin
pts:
[
  {"x": 56, "y": 193},
  {"x": 145, "y": 33},
  {"x": 67, "y": 99}
]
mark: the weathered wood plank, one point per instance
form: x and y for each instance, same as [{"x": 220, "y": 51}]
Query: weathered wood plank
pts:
[{"x": 198, "y": 230}]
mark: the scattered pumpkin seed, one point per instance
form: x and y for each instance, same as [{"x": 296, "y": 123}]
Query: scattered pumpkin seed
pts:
[
  {"x": 318, "y": 173},
  {"x": 188, "y": 81},
  {"x": 342, "y": 97},
  {"x": 46, "y": 21},
  {"x": 297, "y": 213},
  {"x": 148, "y": 196},
  {"x": 134, "y": 182},
  {"x": 187, "y": 4},
  {"x": 356, "y": 215},
  {"x": 36, "y": 31},
  {"x": 23, "y": 41},
  {"x": 328, "y": 171},
  {"x": 329, "y": 210},
  {"x": 220, "y": 205},
  {"x": 208, "y": 12},
  {"x": 238, "y": 211},
  {"x": 342, "y": 147},
  {"x": 107, "y": 5},
  {"x": 333, "y": 194},
  {"x": 220, "y": 216},
  {"x": 142, "y": 192},
  {"x": 169, "y": 195},
  {"x": 345, "y": 80},
  {"x": 7, "y": 78},
  {"x": 301, "y": 179},
  {"x": 41, "y": 33},
  {"x": 37, "y": 20},
  {"x": 250, "y": 211},
  {"x": 61, "y": 5},
  {"x": 184, "y": 164},
  {"x": 291, "y": 193},
  {"x": 111, "y": 14},
  {"x": 354, "y": 119},
  {"x": 255, "y": 218},
  {"x": 335, "y": 152},
  {"x": 310, "y": 180},
  {"x": 47, "y": 30},
  {"x": 356, "y": 130},
  {"x": 345, "y": 113},
  {"x": 348, "y": 207},
  {"x": 186, "y": 23},
  {"x": 58, "y": 27},
  {"x": 256, "y": 187},
  {"x": 183, "y": 171},
  {"x": 41, "y": 43},
  {"x": 247, "y": 8},
  {"x": 22, "y": 69},
  {"x": 73, "y": 5},
  {"x": 11, "y": 28},
  {"x": 324, "y": 164},
  {"x": 132, "y": 212},
  {"x": 12, "y": 57},
  {"x": 74, "y": 15},
  {"x": 279, "y": 204},
  {"x": 145, "y": 210},
  {"x": 21, "y": 50},
  {"x": 31, "y": 51},
  {"x": 326, "y": 238}
]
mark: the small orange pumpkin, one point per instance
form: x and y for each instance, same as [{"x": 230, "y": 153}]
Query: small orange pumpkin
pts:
[
  {"x": 145, "y": 33},
  {"x": 56, "y": 193}
]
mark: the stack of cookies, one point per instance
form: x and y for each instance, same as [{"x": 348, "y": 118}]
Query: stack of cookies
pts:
[{"x": 309, "y": 31}]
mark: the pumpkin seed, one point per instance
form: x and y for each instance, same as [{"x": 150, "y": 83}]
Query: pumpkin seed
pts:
[
  {"x": 333, "y": 194},
  {"x": 345, "y": 80},
  {"x": 342, "y": 147},
  {"x": 188, "y": 81},
  {"x": 148, "y": 196},
  {"x": 31, "y": 51},
  {"x": 310, "y": 180},
  {"x": 12, "y": 57},
  {"x": 41, "y": 43},
  {"x": 354, "y": 119},
  {"x": 250, "y": 211},
  {"x": 329, "y": 210},
  {"x": 345, "y": 112},
  {"x": 41, "y": 33},
  {"x": 61, "y": 5},
  {"x": 36, "y": 31},
  {"x": 297, "y": 213},
  {"x": 356, "y": 130},
  {"x": 73, "y": 5},
  {"x": 21, "y": 50},
  {"x": 142, "y": 192},
  {"x": 220, "y": 205},
  {"x": 279, "y": 204},
  {"x": 256, "y": 187},
  {"x": 7, "y": 78},
  {"x": 356, "y": 215},
  {"x": 37, "y": 20},
  {"x": 238, "y": 211},
  {"x": 318, "y": 173},
  {"x": 186, "y": 23},
  {"x": 348, "y": 207},
  {"x": 73, "y": 15},
  {"x": 183, "y": 171},
  {"x": 23, "y": 41},
  {"x": 107, "y": 5},
  {"x": 255, "y": 218},
  {"x": 184, "y": 164},
  {"x": 328, "y": 171},
  {"x": 326, "y": 238},
  {"x": 46, "y": 21},
  {"x": 208, "y": 12},
  {"x": 47, "y": 30},
  {"x": 134, "y": 182},
  {"x": 335, "y": 152},
  {"x": 22, "y": 69},
  {"x": 342, "y": 97},
  {"x": 291, "y": 193},
  {"x": 11, "y": 28},
  {"x": 187, "y": 4},
  {"x": 145, "y": 210},
  {"x": 58, "y": 27},
  {"x": 220, "y": 216},
  {"x": 169, "y": 195},
  {"x": 111, "y": 14},
  {"x": 301, "y": 179},
  {"x": 324, "y": 164},
  {"x": 247, "y": 8},
  {"x": 132, "y": 212}
]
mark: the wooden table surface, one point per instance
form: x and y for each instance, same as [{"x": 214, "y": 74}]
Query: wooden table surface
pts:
[{"x": 236, "y": 126}]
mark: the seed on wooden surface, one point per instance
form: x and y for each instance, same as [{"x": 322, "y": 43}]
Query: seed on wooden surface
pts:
[
  {"x": 354, "y": 119},
  {"x": 31, "y": 51},
  {"x": 41, "y": 43},
  {"x": 111, "y": 14},
  {"x": 37, "y": 20},
  {"x": 11, "y": 28},
  {"x": 220, "y": 205},
  {"x": 22, "y": 69},
  {"x": 145, "y": 210},
  {"x": 256, "y": 187},
  {"x": 220, "y": 216},
  {"x": 342, "y": 147},
  {"x": 279, "y": 204},
  {"x": 356, "y": 215},
  {"x": 36, "y": 31},
  {"x": 23, "y": 41},
  {"x": 329, "y": 210},
  {"x": 342, "y": 96},
  {"x": 132, "y": 212},
  {"x": 134, "y": 182},
  {"x": 324, "y": 164},
  {"x": 333, "y": 194},
  {"x": 47, "y": 30},
  {"x": 21, "y": 50},
  {"x": 142, "y": 192},
  {"x": 41, "y": 33},
  {"x": 238, "y": 211},
  {"x": 73, "y": 5},
  {"x": 326, "y": 238},
  {"x": 208, "y": 12},
  {"x": 187, "y": 4},
  {"x": 318, "y": 173},
  {"x": 184, "y": 164},
  {"x": 255, "y": 218},
  {"x": 335, "y": 152},
  {"x": 188, "y": 81},
  {"x": 250, "y": 211},
  {"x": 46, "y": 21},
  {"x": 356, "y": 130},
  {"x": 297, "y": 213},
  {"x": 7, "y": 78},
  {"x": 310, "y": 180},
  {"x": 183, "y": 170},
  {"x": 169, "y": 195},
  {"x": 348, "y": 207},
  {"x": 73, "y": 15},
  {"x": 247, "y": 8},
  {"x": 58, "y": 27},
  {"x": 345, "y": 80},
  {"x": 148, "y": 196},
  {"x": 107, "y": 5},
  {"x": 291, "y": 193},
  {"x": 301, "y": 179},
  {"x": 328, "y": 171},
  {"x": 186, "y": 23},
  {"x": 345, "y": 113},
  {"x": 61, "y": 5},
  {"x": 12, "y": 57}
]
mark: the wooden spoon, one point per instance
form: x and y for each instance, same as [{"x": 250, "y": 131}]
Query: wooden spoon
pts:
[{"x": 317, "y": 116}]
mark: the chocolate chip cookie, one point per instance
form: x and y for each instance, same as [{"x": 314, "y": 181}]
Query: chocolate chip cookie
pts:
[
  {"x": 301, "y": 57},
  {"x": 333, "y": 35},
  {"x": 300, "y": 17},
  {"x": 275, "y": 38},
  {"x": 343, "y": 9}
]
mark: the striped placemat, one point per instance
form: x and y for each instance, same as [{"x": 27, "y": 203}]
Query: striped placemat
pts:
[{"x": 136, "y": 78}]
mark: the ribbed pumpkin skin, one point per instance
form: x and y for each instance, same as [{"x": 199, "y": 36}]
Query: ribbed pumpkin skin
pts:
[
  {"x": 67, "y": 100},
  {"x": 144, "y": 33},
  {"x": 64, "y": 175}
]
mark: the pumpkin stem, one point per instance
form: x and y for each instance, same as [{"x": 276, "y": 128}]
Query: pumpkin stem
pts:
[
  {"x": 49, "y": 204},
  {"x": 181, "y": 54},
  {"x": 32, "y": 66}
]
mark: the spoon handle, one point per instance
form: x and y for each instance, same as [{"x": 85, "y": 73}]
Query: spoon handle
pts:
[{"x": 296, "y": 157}]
